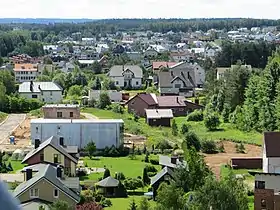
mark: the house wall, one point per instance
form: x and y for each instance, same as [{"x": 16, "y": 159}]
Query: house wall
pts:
[
  {"x": 176, "y": 83},
  {"x": 46, "y": 96},
  {"x": 267, "y": 195},
  {"x": 80, "y": 134},
  {"x": 51, "y": 112},
  {"x": 265, "y": 160},
  {"x": 246, "y": 163},
  {"x": 119, "y": 81},
  {"x": 25, "y": 76},
  {"x": 49, "y": 153},
  {"x": 274, "y": 165},
  {"x": 177, "y": 111},
  {"x": 199, "y": 76},
  {"x": 136, "y": 82},
  {"x": 46, "y": 192},
  {"x": 271, "y": 181},
  {"x": 138, "y": 106},
  {"x": 35, "y": 158},
  {"x": 159, "y": 122}
]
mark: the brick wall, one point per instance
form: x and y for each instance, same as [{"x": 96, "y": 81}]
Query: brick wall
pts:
[{"x": 246, "y": 163}]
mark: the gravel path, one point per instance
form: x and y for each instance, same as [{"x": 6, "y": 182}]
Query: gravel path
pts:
[{"x": 9, "y": 125}]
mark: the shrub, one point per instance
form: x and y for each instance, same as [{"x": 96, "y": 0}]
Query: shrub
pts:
[
  {"x": 146, "y": 179},
  {"x": 133, "y": 183},
  {"x": 14, "y": 185},
  {"x": 154, "y": 161},
  {"x": 185, "y": 128},
  {"x": 162, "y": 145},
  {"x": 106, "y": 173},
  {"x": 105, "y": 202},
  {"x": 119, "y": 176},
  {"x": 150, "y": 168},
  {"x": 151, "y": 174},
  {"x": 221, "y": 148},
  {"x": 147, "y": 157},
  {"x": 174, "y": 128},
  {"x": 192, "y": 140},
  {"x": 5, "y": 157},
  {"x": 197, "y": 115},
  {"x": 209, "y": 147},
  {"x": 117, "y": 108},
  {"x": 212, "y": 121},
  {"x": 240, "y": 148}
]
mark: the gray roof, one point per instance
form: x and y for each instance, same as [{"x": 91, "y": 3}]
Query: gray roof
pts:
[
  {"x": 36, "y": 167},
  {"x": 34, "y": 205},
  {"x": 160, "y": 174},
  {"x": 52, "y": 141},
  {"x": 117, "y": 70},
  {"x": 108, "y": 182},
  {"x": 44, "y": 86},
  {"x": 49, "y": 174},
  {"x": 159, "y": 113},
  {"x": 61, "y": 106},
  {"x": 166, "y": 161},
  {"x": 77, "y": 121}
]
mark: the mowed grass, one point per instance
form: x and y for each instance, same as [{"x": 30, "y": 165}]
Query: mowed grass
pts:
[
  {"x": 16, "y": 164},
  {"x": 123, "y": 203},
  {"x": 3, "y": 116},
  {"x": 226, "y": 132},
  {"x": 130, "y": 168}
]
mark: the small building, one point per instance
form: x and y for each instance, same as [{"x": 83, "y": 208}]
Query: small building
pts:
[
  {"x": 48, "y": 92},
  {"x": 159, "y": 117},
  {"x": 61, "y": 111},
  {"x": 79, "y": 132},
  {"x": 115, "y": 96},
  {"x": 108, "y": 186},
  {"x": 271, "y": 153},
  {"x": 47, "y": 186},
  {"x": 25, "y": 72}
]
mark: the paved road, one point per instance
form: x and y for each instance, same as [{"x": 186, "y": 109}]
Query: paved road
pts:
[{"x": 9, "y": 125}]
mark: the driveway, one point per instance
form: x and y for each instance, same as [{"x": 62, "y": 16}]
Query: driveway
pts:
[{"x": 9, "y": 125}]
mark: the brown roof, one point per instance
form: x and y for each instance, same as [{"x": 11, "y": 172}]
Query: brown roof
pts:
[
  {"x": 148, "y": 99},
  {"x": 171, "y": 101},
  {"x": 272, "y": 144}
]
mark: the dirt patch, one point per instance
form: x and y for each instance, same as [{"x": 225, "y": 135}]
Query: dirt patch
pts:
[
  {"x": 215, "y": 161},
  {"x": 130, "y": 139}
]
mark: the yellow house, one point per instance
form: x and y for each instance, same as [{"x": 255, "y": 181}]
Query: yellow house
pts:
[{"x": 52, "y": 151}]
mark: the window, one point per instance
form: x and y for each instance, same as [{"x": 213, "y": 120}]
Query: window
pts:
[
  {"x": 263, "y": 203},
  {"x": 137, "y": 83},
  {"x": 55, "y": 193},
  {"x": 34, "y": 96},
  {"x": 59, "y": 114},
  {"x": 117, "y": 82},
  {"x": 50, "y": 93},
  {"x": 42, "y": 157},
  {"x": 56, "y": 158},
  {"x": 177, "y": 85},
  {"x": 34, "y": 193},
  {"x": 71, "y": 114},
  {"x": 260, "y": 184}
]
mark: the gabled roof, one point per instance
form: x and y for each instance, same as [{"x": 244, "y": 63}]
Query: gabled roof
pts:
[
  {"x": 108, "y": 182},
  {"x": 44, "y": 86},
  {"x": 158, "y": 113},
  {"x": 272, "y": 144},
  {"x": 52, "y": 141},
  {"x": 117, "y": 70},
  {"x": 148, "y": 98},
  {"x": 48, "y": 174},
  {"x": 166, "y": 161},
  {"x": 160, "y": 174},
  {"x": 171, "y": 101}
]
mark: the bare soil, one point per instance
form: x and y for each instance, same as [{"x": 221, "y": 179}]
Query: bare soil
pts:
[{"x": 215, "y": 161}]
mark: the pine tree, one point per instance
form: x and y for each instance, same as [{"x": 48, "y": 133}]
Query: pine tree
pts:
[
  {"x": 174, "y": 128},
  {"x": 146, "y": 179},
  {"x": 106, "y": 173},
  {"x": 132, "y": 205}
]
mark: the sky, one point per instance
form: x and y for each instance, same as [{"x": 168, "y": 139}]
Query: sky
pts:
[{"x": 103, "y": 9}]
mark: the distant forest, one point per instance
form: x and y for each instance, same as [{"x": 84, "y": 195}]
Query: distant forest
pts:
[{"x": 70, "y": 26}]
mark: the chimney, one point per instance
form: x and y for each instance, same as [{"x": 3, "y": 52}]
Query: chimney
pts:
[
  {"x": 31, "y": 86},
  {"x": 174, "y": 159},
  {"x": 28, "y": 174},
  {"x": 37, "y": 143},
  {"x": 177, "y": 99},
  {"x": 58, "y": 172},
  {"x": 61, "y": 141}
]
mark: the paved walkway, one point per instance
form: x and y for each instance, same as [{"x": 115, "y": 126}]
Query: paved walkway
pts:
[{"x": 9, "y": 125}]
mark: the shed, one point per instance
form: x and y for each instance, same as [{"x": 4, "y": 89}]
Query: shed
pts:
[
  {"x": 159, "y": 117},
  {"x": 108, "y": 186}
]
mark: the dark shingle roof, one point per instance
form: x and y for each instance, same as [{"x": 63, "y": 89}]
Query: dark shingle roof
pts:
[
  {"x": 160, "y": 174},
  {"x": 53, "y": 141},
  {"x": 49, "y": 173},
  {"x": 148, "y": 99},
  {"x": 272, "y": 144},
  {"x": 117, "y": 70},
  {"x": 108, "y": 182}
]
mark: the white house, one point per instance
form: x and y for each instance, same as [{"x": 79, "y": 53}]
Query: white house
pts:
[
  {"x": 271, "y": 152},
  {"x": 79, "y": 132},
  {"x": 127, "y": 76},
  {"x": 48, "y": 92},
  {"x": 114, "y": 95},
  {"x": 25, "y": 72}
]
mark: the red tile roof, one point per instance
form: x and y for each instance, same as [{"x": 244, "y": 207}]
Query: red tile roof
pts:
[{"x": 157, "y": 65}]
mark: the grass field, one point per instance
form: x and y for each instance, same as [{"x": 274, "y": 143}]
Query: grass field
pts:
[
  {"x": 123, "y": 203},
  {"x": 16, "y": 165},
  {"x": 155, "y": 134},
  {"x": 2, "y": 116},
  {"x": 130, "y": 168}
]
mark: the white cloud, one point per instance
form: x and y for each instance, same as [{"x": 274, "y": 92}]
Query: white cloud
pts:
[{"x": 139, "y": 8}]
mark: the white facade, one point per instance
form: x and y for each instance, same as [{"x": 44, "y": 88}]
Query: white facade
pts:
[
  {"x": 25, "y": 76},
  {"x": 114, "y": 95},
  {"x": 270, "y": 164},
  {"x": 79, "y": 132},
  {"x": 122, "y": 82},
  {"x": 271, "y": 181},
  {"x": 199, "y": 75},
  {"x": 45, "y": 96}
]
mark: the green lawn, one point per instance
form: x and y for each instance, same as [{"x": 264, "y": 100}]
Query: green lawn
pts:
[
  {"x": 226, "y": 132},
  {"x": 123, "y": 203},
  {"x": 251, "y": 202},
  {"x": 2, "y": 116},
  {"x": 130, "y": 168},
  {"x": 16, "y": 165}
]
